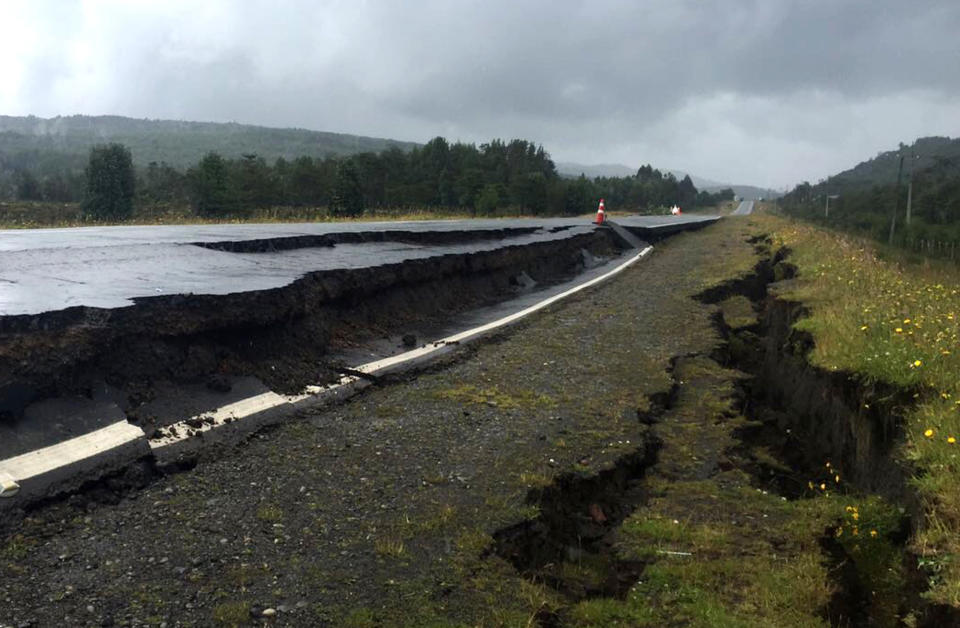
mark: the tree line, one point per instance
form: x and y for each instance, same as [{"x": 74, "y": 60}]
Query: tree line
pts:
[
  {"x": 494, "y": 178},
  {"x": 932, "y": 193}
]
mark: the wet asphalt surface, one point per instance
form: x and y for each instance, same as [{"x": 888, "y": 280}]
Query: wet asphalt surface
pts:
[
  {"x": 44, "y": 270},
  {"x": 378, "y": 510}
]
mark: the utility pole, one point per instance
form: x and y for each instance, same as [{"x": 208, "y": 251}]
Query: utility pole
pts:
[
  {"x": 913, "y": 166},
  {"x": 896, "y": 202},
  {"x": 826, "y": 209},
  {"x": 909, "y": 198}
]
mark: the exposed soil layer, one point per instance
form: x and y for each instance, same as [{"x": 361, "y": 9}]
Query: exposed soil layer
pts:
[
  {"x": 579, "y": 517},
  {"x": 784, "y": 418},
  {"x": 378, "y": 512},
  {"x": 833, "y": 415},
  {"x": 806, "y": 416},
  {"x": 278, "y": 335},
  {"x": 531, "y": 479},
  {"x": 270, "y": 245}
]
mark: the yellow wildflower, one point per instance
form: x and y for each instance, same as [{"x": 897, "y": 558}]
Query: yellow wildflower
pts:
[
  {"x": 951, "y": 440},
  {"x": 928, "y": 433},
  {"x": 873, "y": 533}
]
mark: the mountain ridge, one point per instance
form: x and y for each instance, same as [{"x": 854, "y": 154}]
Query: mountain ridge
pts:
[
  {"x": 181, "y": 143},
  {"x": 573, "y": 169}
]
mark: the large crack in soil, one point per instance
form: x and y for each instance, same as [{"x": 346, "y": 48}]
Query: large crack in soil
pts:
[
  {"x": 840, "y": 420},
  {"x": 570, "y": 545},
  {"x": 580, "y": 515},
  {"x": 270, "y": 245}
]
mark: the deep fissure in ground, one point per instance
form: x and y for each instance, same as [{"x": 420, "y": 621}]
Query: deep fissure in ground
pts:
[
  {"x": 580, "y": 515},
  {"x": 823, "y": 425}
]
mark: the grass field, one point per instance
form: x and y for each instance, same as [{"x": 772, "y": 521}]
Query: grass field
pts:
[
  {"x": 42, "y": 215},
  {"x": 36, "y": 215},
  {"x": 883, "y": 316}
]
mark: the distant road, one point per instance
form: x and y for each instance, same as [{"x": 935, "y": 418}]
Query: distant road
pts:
[{"x": 746, "y": 207}]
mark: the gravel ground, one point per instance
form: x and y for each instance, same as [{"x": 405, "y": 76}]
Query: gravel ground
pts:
[{"x": 381, "y": 511}]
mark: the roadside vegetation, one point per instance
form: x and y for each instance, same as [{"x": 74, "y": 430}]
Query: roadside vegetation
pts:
[
  {"x": 43, "y": 188},
  {"x": 885, "y": 316},
  {"x": 924, "y": 176}
]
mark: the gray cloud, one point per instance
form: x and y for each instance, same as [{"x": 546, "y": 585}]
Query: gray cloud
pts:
[{"x": 764, "y": 91}]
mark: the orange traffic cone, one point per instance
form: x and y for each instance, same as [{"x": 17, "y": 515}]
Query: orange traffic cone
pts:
[{"x": 600, "y": 213}]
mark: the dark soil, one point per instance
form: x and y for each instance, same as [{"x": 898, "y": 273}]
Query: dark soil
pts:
[
  {"x": 379, "y": 512},
  {"x": 604, "y": 463},
  {"x": 281, "y": 336}
]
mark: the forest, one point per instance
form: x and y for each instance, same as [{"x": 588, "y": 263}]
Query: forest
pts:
[
  {"x": 495, "y": 178},
  {"x": 908, "y": 197}
]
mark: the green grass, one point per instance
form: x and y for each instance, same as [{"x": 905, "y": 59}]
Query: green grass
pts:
[
  {"x": 232, "y": 613},
  {"x": 738, "y": 312},
  {"x": 495, "y": 396},
  {"x": 270, "y": 513},
  {"x": 36, "y": 214},
  {"x": 884, "y": 317}
]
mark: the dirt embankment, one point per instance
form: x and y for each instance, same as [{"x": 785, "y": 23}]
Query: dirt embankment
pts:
[
  {"x": 753, "y": 409},
  {"x": 269, "y": 245},
  {"x": 278, "y": 335},
  {"x": 833, "y": 426},
  {"x": 626, "y": 458}
]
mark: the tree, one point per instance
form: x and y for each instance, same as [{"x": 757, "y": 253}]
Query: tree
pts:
[
  {"x": 28, "y": 187},
  {"x": 488, "y": 200},
  {"x": 111, "y": 183},
  {"x": 580, "y": 194},
  {"x": 256, "y": 184},
  {"x": 210, "y": 186},
  {"x": 686, "y": 192},
  {"x": 347, "y": 194}
]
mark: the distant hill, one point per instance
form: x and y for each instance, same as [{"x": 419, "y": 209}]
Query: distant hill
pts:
[
  {"x": 749, "y": 192},
  {"x": 699, "y": 182},
  {"x": 925, "y": 153},
  {"x": 866, "y": 199},
  {"x": 180, "y": 144},
  {"x": 571, "y": 169}
]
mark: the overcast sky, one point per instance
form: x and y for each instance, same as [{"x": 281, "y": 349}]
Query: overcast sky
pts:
[{"x": 766, "y": 92}]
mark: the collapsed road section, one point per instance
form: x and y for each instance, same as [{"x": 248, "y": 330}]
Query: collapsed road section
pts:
[{"x": 116, "y": 349}]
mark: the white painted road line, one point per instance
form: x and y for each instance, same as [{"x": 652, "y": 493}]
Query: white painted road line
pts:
[
  {"x": 465, "y": 336},
  {"x": 267, "y": 401},
  {"x": 40, "y": 461},
  {"x": 221, "y": 416},
  {"x": 8, "y": 486},
  {"x": 35, "y": 463}
]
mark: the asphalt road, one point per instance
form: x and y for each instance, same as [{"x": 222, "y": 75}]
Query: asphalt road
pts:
[
  {"x": 378, "y": 512},
  {"x": 745, "y": 208},
  {"x": 45, "y": 270}
]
